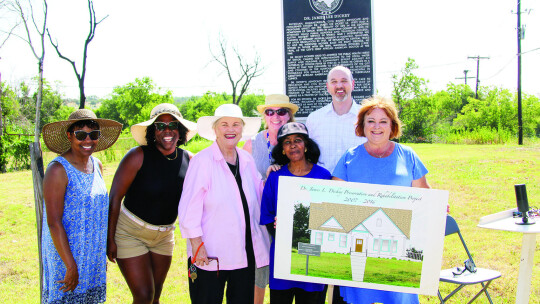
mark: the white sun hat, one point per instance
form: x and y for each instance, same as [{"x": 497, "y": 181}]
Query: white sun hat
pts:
[{"x": 205, "y": 124}]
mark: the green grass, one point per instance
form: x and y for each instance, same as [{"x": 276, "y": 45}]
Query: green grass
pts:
[
  {"x": 378, "y": 270},
  {"x": 480, "y": 180}
]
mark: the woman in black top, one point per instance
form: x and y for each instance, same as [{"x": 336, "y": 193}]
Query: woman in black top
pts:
[{"x": 149, "y": 179}]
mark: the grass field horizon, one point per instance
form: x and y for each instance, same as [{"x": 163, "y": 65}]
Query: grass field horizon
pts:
[{"x": 480, "y": 179}]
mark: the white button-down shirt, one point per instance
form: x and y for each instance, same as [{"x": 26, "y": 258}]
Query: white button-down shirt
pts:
[{"x": 334, "y": 133}]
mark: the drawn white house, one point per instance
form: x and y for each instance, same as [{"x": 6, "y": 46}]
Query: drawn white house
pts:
[
  {"x": 377, "y": 232},
  {"x": 361, "y": 231}
]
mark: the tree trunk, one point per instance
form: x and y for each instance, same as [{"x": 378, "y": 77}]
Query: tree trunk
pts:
[{"x": 36, "y": 163}]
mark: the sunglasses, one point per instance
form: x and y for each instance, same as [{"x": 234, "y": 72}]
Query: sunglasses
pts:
[
  {"x": 173, "y": 125},
  {"x": 280, "y": 112},
  {"x": 469, "y": 266},
  {"x": 81, "y": 135}
]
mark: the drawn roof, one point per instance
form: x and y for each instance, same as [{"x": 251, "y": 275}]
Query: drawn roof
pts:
[{"x": 350, "y": 216}]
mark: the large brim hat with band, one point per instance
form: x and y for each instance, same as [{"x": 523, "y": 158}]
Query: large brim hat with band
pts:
[
  {"x": 55, "y": 137},
  {"x": 205, "y": 124},
  {"x": 277, "y": 101},
  {"x": 138, "y": 131},
  {"x": 292, "y": 128}
]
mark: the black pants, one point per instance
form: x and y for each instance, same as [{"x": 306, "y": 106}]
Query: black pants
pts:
[
  {"x": 300, "y": 296},
  {"x": 208, "y": 287}
]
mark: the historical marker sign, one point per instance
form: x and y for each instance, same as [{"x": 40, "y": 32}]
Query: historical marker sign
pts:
[
  {"x": 309, "y": 249},
  {"x": 320, "y": 34}
]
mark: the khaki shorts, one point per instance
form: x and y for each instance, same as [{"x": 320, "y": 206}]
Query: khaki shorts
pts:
[
  {"x": 133, "y": 239},
  {"x": 262, "y": 276}
]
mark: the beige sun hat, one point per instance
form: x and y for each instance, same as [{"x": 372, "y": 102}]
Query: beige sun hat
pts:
[
  {"x": 205, "y": 124},
  {"x": 277, "y": 101},
  {"x": 55, "y": 137},
  {"x": 138, "y": 131}
]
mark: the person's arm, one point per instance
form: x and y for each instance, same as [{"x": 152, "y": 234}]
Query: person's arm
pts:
[
  {"x": 54, "y": 190},
  {"x": 248, "y": 145},
  {"x": 199, "y": 255},
  {"x": 336, "y": 178},
  {"x": 124, "y": 176},
  {"x": 421, "y": 183}
]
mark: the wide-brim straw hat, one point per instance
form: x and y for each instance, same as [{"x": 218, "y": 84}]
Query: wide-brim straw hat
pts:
[
  {"x": 205, "y": 124},
  {"x": 277, "y": 101},
  {"x": 138, "y": 131},
  {"x": 55, "y": 133}
]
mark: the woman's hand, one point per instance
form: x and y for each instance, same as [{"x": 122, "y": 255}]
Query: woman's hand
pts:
[
  {"x": 111, "y": 250},
  {"x": 199, "y": 256},
  {"x": 275, "y": 222},
  {"x": 71, "y": 279},
  {"x": 272, "y": 168}
]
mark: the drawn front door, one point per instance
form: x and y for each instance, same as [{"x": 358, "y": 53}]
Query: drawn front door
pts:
[{"x": 359, "y": 245}]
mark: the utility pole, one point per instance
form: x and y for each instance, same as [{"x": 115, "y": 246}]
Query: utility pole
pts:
[
  {"x": 519, "y": 37},
  {"x": 465, "y": 72},
  {"x": 477, "y": 70}
]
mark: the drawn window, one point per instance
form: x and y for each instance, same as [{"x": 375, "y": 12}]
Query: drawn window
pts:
[
  {"x": 379, "y": 222},
  {"x": 318, "y": 238},
  {"x": 385, "y": 246},
  {"x": 342, "y": 241},
  {"x": 376, "y": 245},
  {"x": 394, "y": 246},
  {"x": 330, "y": 236}
]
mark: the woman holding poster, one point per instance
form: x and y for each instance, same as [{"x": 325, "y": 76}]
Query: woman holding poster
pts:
[
  {"x": 384, "y": 162},
  {"x": 298, "y": 156}
]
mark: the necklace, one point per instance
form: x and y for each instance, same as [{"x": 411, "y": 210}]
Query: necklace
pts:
[
  {"x": 237, "y": 165},
  {"x": 381, "y": 155},
  {"x": 268, "y": 145},
  {"x": 175, "y": 155}
]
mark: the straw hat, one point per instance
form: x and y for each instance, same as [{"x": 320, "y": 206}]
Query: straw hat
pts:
[
  {"x": 138, "y": 131},
  {"x": 205, "y": 124},
  {"x": 277, "y": 101},
  {"x": 55, "y": 138}
]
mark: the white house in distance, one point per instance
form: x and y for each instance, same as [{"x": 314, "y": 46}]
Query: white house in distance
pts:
[{"x": 372, "y": 231}]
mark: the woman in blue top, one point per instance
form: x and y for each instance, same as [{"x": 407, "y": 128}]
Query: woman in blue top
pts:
[
  {"x": 298, "y": 156},
  {"x": 76, "y": 207},
  {"x": 384, "y": 162}
]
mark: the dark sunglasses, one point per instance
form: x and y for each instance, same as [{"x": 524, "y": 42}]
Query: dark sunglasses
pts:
[
  {"x": 173, "y": 125},
  {"x": 81, "y": 135},
  {"x": 280, "y": 112},
  {"x": 469, "y": 266}
]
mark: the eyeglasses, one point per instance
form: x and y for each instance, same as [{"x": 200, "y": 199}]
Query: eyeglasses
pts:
[
  {"x": 297, "y": 141},
  {"x": 173, "y": 125},
  {"x": 280, "y": 112},
  {"x": 81, "y": 135}
]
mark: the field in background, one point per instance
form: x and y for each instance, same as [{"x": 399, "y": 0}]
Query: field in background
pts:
[{"x": 480, "y": 179}]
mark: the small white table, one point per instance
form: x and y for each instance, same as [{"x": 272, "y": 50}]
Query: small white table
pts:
[{"x": 504, "y": 221}]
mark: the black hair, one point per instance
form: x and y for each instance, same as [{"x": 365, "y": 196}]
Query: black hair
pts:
[
  {"x": 312, "y": 155},
  {"x": 151, "y": 134},
  {"x": 92, "y": 124}
]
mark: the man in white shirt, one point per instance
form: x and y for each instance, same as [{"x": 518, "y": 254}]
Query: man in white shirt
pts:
[{"x": 333, "y": 126}]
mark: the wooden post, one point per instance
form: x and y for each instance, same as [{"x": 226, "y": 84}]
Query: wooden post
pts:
[{"x": 36, "y": 163}]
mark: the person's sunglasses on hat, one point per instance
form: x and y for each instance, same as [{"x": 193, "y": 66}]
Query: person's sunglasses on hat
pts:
[
  {"x": 81, "y": 135},
  {"x": 172, "y": 125},
  {"x": 280, "y": 112}
]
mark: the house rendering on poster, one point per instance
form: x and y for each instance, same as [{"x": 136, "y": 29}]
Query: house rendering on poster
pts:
[{"x": 373, "y": 231}]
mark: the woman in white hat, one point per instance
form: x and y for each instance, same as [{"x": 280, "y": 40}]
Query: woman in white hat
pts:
[
  {"x": 276, "y": 111},
  {"x": 219, "y": 211},
  {"x": 149, "y": 181},
  {"x": 76, "y": 207}
]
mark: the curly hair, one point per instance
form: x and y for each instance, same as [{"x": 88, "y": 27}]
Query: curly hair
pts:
[
  {"x": 151, "y": 134},
  {"x": 383, "y": 103},
  {"x": 312, "y": 155}
]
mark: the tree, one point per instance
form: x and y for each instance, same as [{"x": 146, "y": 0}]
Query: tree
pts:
[
  {"x": 91, "y": 33},
  {"x": 407, "y": 86},
  {"x": 240, "y": 71},
  {"x": 300, "y": 225}
]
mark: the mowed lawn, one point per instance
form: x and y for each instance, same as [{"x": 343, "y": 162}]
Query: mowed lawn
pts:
[
  {"x": 480, "y": 179},
  {"x": 378, "y": 270}
]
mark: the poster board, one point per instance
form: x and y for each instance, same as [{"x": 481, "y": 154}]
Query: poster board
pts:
[{"x": 365, "y": 231}]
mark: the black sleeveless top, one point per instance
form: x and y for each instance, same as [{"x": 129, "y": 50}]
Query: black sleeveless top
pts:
[{"x": 155, "y": 192}]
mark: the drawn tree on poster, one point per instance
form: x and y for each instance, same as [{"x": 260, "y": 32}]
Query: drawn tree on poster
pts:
[{"x": 300, "y": 225}]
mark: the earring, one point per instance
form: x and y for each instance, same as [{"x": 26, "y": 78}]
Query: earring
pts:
[
  {"x": 283, "y": 151},
  {"x": 305, "y": 149}
]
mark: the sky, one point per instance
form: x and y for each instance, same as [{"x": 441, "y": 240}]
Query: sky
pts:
[{"x": 169, "y": 41}]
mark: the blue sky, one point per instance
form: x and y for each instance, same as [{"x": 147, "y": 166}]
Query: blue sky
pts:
[{"x": 169, "y": 41}]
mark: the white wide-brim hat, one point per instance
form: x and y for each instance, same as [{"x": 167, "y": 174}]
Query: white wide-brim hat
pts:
[
  {"x": 205, "y": 124},
  {"x": 138, "y": 131}
]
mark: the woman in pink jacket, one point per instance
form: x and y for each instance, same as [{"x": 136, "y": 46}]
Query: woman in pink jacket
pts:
[{"x": 220, "y": 209}]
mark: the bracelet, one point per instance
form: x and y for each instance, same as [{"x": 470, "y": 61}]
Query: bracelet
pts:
[{"x": 193, "y": 259}]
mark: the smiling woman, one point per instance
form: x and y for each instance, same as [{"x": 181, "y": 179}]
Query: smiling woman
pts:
[{"x": 75, "y": 228}]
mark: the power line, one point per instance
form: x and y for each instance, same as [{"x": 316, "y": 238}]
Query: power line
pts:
[{"x": 477, "y": 70}]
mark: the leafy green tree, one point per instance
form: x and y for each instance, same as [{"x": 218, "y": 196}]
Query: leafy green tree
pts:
[
  {"x": 133, "y": 102},
  {"x": 300, "y": 225},
  {"x": 205, "y": 105},
  {"x": 407, "y": 86}
]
